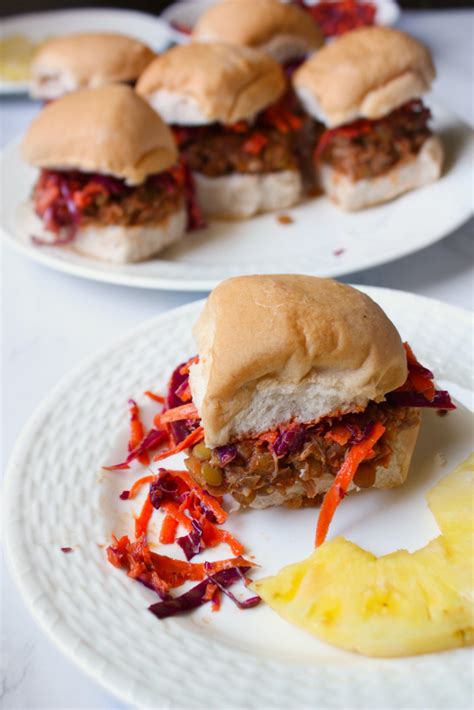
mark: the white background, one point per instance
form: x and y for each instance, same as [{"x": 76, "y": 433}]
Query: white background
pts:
[{"x": 51, "y": 321}]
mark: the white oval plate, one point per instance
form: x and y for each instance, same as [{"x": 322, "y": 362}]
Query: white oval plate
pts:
[
  {"x": 56, "y": 496},
  {"x": 38, "y": 26},
  {"x": 323, "y": 240}
]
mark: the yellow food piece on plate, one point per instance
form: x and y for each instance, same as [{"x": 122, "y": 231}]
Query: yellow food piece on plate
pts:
[
  {"x": 396, "y": 605},
  {"x": 16, "y": 53}
]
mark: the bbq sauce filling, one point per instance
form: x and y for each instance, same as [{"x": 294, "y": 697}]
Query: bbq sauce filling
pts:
[
  {"x": 292, "y": 466},
  {"x": 65, "y": 200},
  {"x": 273, "y": 143},
  {"x": 366, "y": 149}
]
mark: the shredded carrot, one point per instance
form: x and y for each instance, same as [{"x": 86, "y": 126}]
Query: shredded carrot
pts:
[
  {"x": 236, "y": 546},
  {"x": 184, "y": 392},
  {"x": 184, "y": 370},
  {"x": 138, "y": 484},
  {"x": 239, "y": 127},
  {"x": 185, "y": 411},
  {"x": 216, "y": 600},
  {"x": 339, "y": 433},
  {"x": 155, "y": 397},
  {"x": 269, "y": 437},
  {"x": 193, "y": 438},
  {"x": 255, "y": 143},
  {"x": 210, "y": 590},
  {"x": 141, "y": 523},
  {"x": 422, "y": 384},
  {"x": 136, "y": 432},
  {"x": 357, "y": 454},
  {"x": 209, "y": 501},
  {"x": 172, "y": 509},
  {"x": 213, "y": 536},
  {"x": 168, "y": 530}
]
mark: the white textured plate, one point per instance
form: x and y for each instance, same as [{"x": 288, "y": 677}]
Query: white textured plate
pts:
[
  {"x": 57, "y": 496},
  {"x": 323, "y": 240},
  {"x": 39, "y": 26},
  {"x": 187, "y": 12}
]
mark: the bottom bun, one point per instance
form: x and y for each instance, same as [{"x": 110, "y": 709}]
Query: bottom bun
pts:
[
  {"x": 115, "y": 243},
  {"x": 239, "y": 196},
  {"x": 421, "y": 170},
  {"x": 402, "y": 444}
]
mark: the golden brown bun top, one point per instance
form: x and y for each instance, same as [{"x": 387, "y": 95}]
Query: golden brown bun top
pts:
[
  {"x": 257, "y": 334},
  {"x": 254, "y": 22},
  {"x": 228, "y": 83},
  {"x": 93, "y": 58},
  {"x": 367, "y": 72},
  {"x": 109, "y": 130}
]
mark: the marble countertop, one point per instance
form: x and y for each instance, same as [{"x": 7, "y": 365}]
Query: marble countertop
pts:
[{"x": 42, "y": 313}]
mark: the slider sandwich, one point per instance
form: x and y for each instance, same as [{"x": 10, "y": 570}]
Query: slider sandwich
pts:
[
  {"x": 282, "y": 30},
  {"x": 240, "y": 146},
  {"x": 109, "y": 184},
  {"x": 366, "y": 88},
  {"x": 86, "y": 60},
  {"x": 302, "y": 387}
]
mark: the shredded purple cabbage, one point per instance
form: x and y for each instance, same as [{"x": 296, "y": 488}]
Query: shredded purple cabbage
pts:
[
  {"x": 180, "y": 430},
  {"x": 289, "y": 441},
  {"x": 226, "y": 454},
  {"x": 164, "y": 488},
  {"x": 194, "y": 598},
  {"x": 191, "y": 543},
  {"x": 242, "y": 604},
  {"x": 441, "y": 400},
  {"x": 151, "y": 441},
  {"x": 420, "y": 370}
]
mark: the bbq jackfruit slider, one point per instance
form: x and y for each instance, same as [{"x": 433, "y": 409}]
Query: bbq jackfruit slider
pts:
[
  {"x": 366, "y": 88},
  {"x": 86, "y": 60},
  {"x": 282, "y": 30},
  {"x": 240, "y": 147},
  {"x": 109, "y": 185},
  {"x": 301, "y": 387}
]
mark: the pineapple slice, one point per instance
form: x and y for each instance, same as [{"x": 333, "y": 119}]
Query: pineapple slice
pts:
[
  {"x": 399, "y": 604},
  {"x": 452, "y": 501}
]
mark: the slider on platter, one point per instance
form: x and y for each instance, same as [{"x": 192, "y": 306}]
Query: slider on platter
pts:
[
  {"x": 86, "y": 60},
  {"x": 239, "y": 145},
  {"x": 301, "y": 386},
  {"x": 282, "y": 30},
  {"x": 366, "y": 88},
  {"x": 109, "y": 184}
]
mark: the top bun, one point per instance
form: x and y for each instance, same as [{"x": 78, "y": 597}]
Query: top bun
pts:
[
  {"x": 365, "y": 73},
  {"x": 282, "y": 30},
  {"x": 109, "y": 130},
  {"x": 276, "y": 349},
  {"x": 197, "y": 84},
  {"x": 86, "y": 60}
]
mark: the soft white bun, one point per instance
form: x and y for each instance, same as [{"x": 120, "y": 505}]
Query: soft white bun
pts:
[
  {"x": 239, "y": 196},
  {"x": 275, "y": 349},
  {"x": 282, "y": 30},
  {"x": 201, "y": 83},
  {"x": 407, "y": 175},
  {"x": 365, "y": 73},
  {"x": 403, "y": 445},
  {"x": 115, "y": 244},
  {"x": 86, "y": 60},
  {"x": 109, "y": 130}
]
